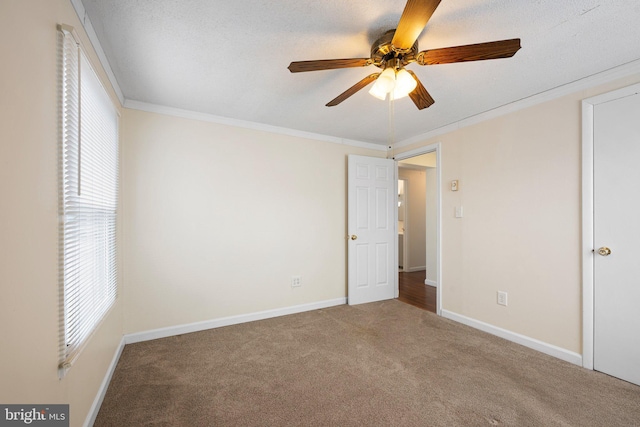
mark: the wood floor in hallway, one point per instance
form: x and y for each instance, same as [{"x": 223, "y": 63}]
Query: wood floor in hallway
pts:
[{"x": 413, "y": 290}]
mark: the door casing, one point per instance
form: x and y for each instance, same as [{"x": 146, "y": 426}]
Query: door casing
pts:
[{"x": 588, "y": 244}]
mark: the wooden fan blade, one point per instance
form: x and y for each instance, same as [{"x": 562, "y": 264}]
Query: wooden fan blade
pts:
[
  {"x": 328, "y": 64},
  {"x": 419, "y": 95},
  {"x": 471, "y": 52},
  {"x": 413, "y": 20},
  {"x": 353, "y": 89}
]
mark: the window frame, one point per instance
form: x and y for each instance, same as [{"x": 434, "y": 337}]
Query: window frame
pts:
[{"x": 89, "y": 151}]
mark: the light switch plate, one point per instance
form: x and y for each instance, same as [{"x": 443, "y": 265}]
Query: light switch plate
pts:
[
  {"x": 454, "y": 185},
  {"x": 458, "y": 211}
]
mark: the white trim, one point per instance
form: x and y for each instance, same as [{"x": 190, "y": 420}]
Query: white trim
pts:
[
  {"x": 396, "y": 247},
  {"x": 414, "y": 269},
  {"x": 431, "y": 283},
  {"x": 543, "y": 347},
  {"x": 603, "y": 77},
  {"x": 97, "y": 47},
  {"x": 587, "y": 234},
  {"x": 413, "y": 153},
  {"x": 615, "y": 94},
  {"x": 417, "y": 152},
  {"x": 588, "y": 245},
  {"x": 205, "y": 117},
  {"x": 228, "y": 321},
  {"x": 97, "y": 401}
]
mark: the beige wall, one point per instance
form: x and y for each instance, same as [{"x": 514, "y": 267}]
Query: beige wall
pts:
[
  {"x": 428, "y": 160},
  {"x": 520, "y": 189},
  {"x": 415, "y": 218},
  {"x": 218, "y": 219},
  {"x": 29, "y": 219}
]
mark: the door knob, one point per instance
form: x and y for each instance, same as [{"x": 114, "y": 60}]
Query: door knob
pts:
[
  {"x": 354, "y": 237},
  {"x": 604, "y": 251}
]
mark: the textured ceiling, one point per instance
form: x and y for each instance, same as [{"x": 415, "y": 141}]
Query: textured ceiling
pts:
[{"x": 230, "y": 58}]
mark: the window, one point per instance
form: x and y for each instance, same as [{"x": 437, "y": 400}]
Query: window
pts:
[{"x": 88, "y": 200}]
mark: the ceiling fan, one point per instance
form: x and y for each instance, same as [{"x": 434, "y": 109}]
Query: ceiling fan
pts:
[{"x": 395, "y": 49}]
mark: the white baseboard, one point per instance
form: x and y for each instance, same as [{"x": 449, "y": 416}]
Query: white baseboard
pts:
[
  {"x": 550, "y": 349},
  {"x": 431, "y": 283},
  {"x": 228, "y": 321},
  {"x": 97, "y": 401},
  {"x": 414, "y": 269}
]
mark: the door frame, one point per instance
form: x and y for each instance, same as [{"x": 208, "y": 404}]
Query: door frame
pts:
[
  {"x": 417, "y": 152},
  {"x": 588, "y": 235}
]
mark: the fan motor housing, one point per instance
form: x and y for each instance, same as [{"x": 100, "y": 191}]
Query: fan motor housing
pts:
[{"x": 383, "y": 50}]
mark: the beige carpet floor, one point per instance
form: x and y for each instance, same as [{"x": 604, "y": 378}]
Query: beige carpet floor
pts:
[{"x": 379, "y": 364}]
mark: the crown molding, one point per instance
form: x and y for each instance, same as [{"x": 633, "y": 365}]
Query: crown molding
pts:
[
  {"x": 205, "y": 117},
  {"x": 588, "y": 82},
  {"x": 137, "y": 105},
  {"x": 603, "y": 77}
]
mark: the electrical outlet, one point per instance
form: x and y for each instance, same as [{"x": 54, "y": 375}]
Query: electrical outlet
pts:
[
  {"x": 296, "y": 281},
  {"x": 502, "y": 298}
]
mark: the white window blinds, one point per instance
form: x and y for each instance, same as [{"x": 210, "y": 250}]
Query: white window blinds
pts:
[{"x": 89, "y": 196}]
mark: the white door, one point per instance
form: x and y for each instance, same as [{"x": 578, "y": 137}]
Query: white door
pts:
[
  {"x": 372, "y": 207},
  {"x": 617, "y": 229}
]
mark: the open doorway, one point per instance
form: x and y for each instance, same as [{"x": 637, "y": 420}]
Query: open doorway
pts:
[{"x": 418, "y": 229}]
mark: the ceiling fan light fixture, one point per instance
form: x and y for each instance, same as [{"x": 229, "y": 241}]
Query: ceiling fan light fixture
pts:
[
  {"x": 386, "y": 80},
  {"x": 398, "y": 84},
  {"x": 398, "y": 48},
  {"x": 405, "y": 84},
  {"x": 378, "y": 92},
  {"x": 384, "y": 84}
]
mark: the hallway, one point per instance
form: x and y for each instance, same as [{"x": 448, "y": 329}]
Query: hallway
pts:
[{"x": 413, "y": 291}]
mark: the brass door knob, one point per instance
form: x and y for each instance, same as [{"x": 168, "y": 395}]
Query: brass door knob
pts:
[
  {"x": 354, "y": 237},
  {"x": 604, "y": 251}
]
